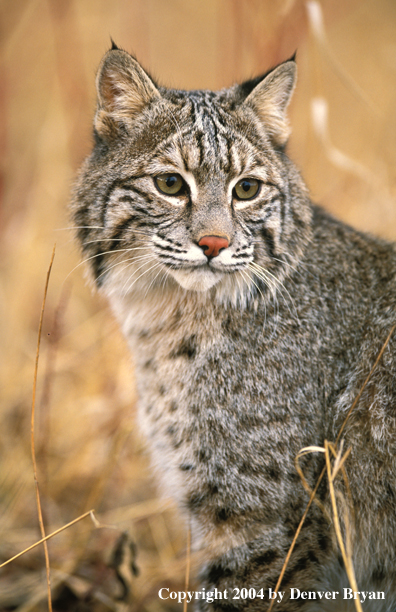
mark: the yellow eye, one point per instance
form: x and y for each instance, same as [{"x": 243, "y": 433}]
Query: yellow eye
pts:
[
  {"x": 171, "y": 184},
  {"x": 246, "y": 189}
]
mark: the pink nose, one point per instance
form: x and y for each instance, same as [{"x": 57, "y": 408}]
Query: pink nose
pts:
[{"x": 212, "y": 245}]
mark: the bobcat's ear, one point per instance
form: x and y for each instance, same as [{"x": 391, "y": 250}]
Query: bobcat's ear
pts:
[
  {"x": 270, "y": 97},
  {"x": 123, "y": 89}
]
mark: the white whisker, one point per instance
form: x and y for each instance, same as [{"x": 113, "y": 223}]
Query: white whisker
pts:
[
  {"x": 63, "y": 229},
  {"x": 273, "y": 284},
  {"x": 167, "y": 273},
  {"x": 113, "y": 240},
  {"x": 140, "y": 276},
  {"x": 150, "y": 285},
  {"x": 301, "y": 265},
  {"x": 123, "y": 261},
  {"x": 100, "y": 254}
]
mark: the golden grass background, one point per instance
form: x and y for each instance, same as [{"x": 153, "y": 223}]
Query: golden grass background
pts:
[{"x": 89, "y": 451}]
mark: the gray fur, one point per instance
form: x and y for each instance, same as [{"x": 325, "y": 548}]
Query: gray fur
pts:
[{"x": 244, "y": 359}]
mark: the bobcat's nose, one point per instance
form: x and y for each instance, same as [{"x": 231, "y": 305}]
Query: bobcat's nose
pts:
[{"x": 212, "y": 245}]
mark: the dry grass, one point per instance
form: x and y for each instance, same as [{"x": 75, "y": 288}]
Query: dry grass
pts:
[{"x": 89, "y": 452}]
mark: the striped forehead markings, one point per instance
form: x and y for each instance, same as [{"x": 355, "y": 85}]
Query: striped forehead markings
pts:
[
  {"x": 205, "y": 138},
  {"x": 209, "y": 134}
]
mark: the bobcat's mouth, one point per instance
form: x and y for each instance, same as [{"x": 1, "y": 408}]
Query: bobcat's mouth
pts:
[
  {"x": 205, "y": 275},
  {"x": 198, "y": 278}
]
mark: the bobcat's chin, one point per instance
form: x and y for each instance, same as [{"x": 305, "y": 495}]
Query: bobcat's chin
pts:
[{"x": 197, "y": 280}]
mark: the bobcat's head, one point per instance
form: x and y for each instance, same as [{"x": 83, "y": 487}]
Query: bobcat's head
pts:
[{"x": 190, "y": 188}]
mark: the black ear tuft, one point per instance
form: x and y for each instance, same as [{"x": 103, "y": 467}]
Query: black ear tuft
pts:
[{"x": 113, "y": 45}]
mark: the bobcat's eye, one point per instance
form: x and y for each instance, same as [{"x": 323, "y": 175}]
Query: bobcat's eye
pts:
[
  {"x": 246, "y": 189},
  {"x": 170, "y": 184}
]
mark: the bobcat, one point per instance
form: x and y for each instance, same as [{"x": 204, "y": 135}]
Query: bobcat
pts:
[{"x": 254, "y": 318}]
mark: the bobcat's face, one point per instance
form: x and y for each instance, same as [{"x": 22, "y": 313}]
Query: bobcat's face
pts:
[
  {"x": 187, "y": 186},
  {"x": 200, "y": 183}
]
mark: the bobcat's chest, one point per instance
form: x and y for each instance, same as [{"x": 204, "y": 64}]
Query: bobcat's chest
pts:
[{"x": 221, "y": 435}]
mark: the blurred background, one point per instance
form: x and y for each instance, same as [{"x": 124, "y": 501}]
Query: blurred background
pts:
[{"x": 89, "y": 451}]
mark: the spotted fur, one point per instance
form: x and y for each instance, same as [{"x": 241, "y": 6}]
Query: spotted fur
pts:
[{"x": 244, "y": 358}]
